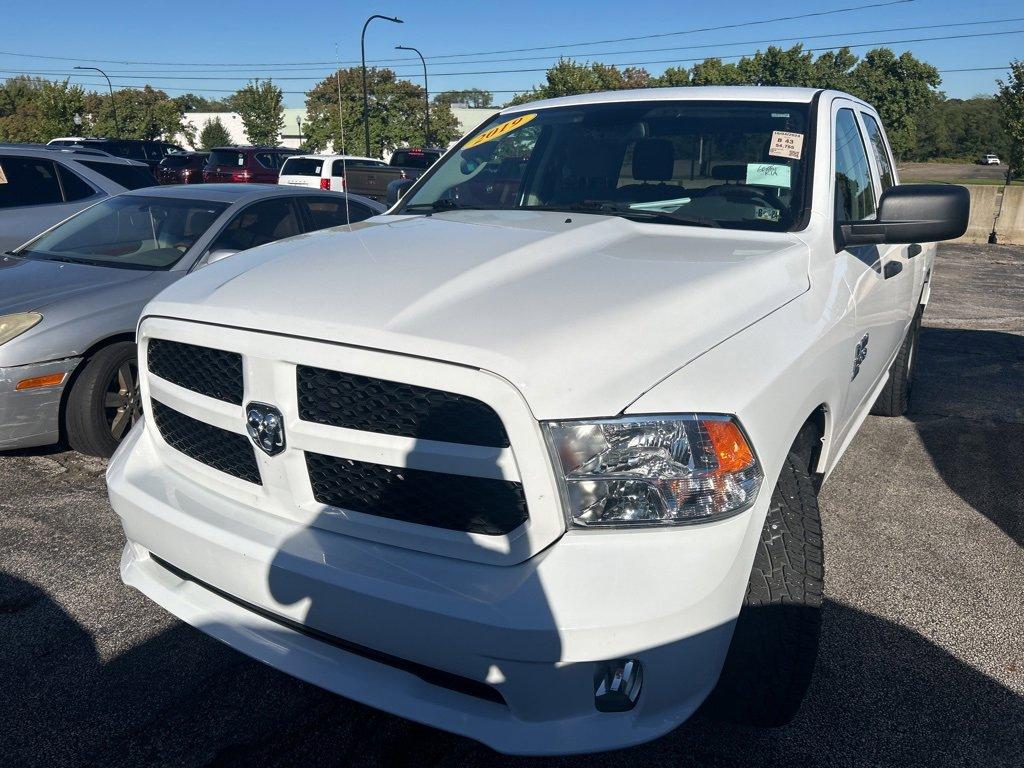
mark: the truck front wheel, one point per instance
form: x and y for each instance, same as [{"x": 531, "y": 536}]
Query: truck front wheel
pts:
[{"x": 775, "y": 643}]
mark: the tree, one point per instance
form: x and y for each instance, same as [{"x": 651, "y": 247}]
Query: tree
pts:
[
  {"x": 395, "y": 114},
  {"x": 1011, "y": 109},
  {"x": 142, "y": 113},
  {"x": 474, "y": 98},
  {"x": 214, "y": 134},
  {"x": 190, "y": 102},
  {"x": 900, "y": 88},
  {"x": 38, "y": 110},
  {"x": 260, "y": 104}
]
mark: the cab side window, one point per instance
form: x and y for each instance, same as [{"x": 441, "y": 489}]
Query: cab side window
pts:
[
  {"x": 877, "y": 141},
  {"x": 855, "y": 192},
  {"x": 328, "y": 212}
]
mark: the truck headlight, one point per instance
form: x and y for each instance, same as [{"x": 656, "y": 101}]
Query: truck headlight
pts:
[
  {"x": 653, "y": 470},
  {"x": 17, "y": 324}
]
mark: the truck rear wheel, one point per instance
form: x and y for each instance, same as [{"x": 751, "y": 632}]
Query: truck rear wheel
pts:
[
  {"x": 774, "y": 646},
  {"x": 895, "y": 395}
]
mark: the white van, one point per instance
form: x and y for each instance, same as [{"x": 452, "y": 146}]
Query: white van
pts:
[{"x": 323, "y": 171}]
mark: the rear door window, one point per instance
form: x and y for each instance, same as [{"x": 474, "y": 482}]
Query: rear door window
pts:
[
  {"x": 271, "y": 160},
  {"x": 128, "y": 176},
  {"x": 877, "y": 141},
  {"x": 28, "y": 181},
  {"x": 258, "y": 224},
  {"x": 75, "y": 187},
  {"x": 855, "y": 191},
  {"x": 328, "y": 212}
]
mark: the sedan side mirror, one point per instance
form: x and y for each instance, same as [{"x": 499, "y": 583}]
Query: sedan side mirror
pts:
[
  {"x": 220, "y": 253},
  {"x": 397, "y": 188},
  {"x": 911, "y": 213}
]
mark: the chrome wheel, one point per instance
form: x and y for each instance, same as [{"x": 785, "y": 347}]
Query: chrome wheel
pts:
[{"x": 122, "y": 401}]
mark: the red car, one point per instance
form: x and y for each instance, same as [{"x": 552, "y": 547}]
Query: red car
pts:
[
  {"x": 246, "y": 165},
  {"x": 182, "y": 168}
]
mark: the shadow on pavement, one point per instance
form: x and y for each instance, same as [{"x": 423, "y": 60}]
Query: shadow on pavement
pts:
[
  {"x": 882, "y": 695},
  {"x": 968, "y": 407}
]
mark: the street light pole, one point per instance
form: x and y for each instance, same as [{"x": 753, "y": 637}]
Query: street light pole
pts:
[
  {"x": 113, "y": 106},
  {"x": 426, "y": 92},
  {"x": 362, "y": 53}
]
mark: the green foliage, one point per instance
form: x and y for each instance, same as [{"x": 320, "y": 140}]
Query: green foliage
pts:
[
  {"x": 190, "y": 102},
  {"x": 214, "y": 134},
  {"x": 38, "y": 110},
  {"x": 260, "y": 104},
  {"x": 1011, "y": 109},
  {"x": 474, "y": 98},
  {"x": 960, "y": 130},
  {"x": 395, "y": 113},
  {"x": 141, "y": 113}
]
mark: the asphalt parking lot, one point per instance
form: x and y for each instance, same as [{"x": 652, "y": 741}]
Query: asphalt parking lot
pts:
[{"x": 922, "y": 661}]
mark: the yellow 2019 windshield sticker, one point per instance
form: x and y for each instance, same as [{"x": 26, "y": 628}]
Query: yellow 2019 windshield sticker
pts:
[{"x": 500, "y": 130}]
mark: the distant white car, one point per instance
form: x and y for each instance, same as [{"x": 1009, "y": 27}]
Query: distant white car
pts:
[
  {"x": 323, "y": 171},
  {"x": 989, "y": 160}
]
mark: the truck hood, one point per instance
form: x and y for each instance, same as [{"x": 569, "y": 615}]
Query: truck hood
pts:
[
  {"x": 34, "y": 284},
  {"x": 582, "y": 313}
]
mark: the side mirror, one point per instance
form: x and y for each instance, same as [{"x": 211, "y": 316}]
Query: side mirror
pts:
[
  {"x": 911, "y": 213},
  {"x": 220, "y": 253},
  {"x": 397, "y": 188}
]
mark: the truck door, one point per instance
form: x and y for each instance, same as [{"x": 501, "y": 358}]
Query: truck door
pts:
[{"x": 880, "y": 295}]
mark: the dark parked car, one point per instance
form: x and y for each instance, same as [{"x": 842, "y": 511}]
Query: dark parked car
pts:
[
  {"x": 70, "y": 298},
  {"x": 182, "y": 168},
  {"x": 246, "y": 165},
  {"x": 148, "y": 152}
]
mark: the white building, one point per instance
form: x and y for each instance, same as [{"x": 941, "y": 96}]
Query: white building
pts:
[{"x": 291, "y": 135}]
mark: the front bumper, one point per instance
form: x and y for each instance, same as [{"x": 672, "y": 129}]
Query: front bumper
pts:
[
  {"x": 31, "y": 417},
  {"x": 531, "y": 631}
]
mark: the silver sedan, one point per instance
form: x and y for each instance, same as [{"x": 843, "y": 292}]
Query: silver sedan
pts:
[{"x": 70, "y": 298}]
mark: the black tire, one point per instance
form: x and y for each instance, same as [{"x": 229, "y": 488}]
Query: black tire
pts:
[
  {"x": 895, "y": 395},
  {"x": 104, "y": 401},
  {"x": 774, "y": 646}
]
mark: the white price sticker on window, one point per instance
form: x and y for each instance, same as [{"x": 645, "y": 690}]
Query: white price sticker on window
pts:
[
  {"x": 786, "y": 144},
  {"x": 3, "y": 178}
]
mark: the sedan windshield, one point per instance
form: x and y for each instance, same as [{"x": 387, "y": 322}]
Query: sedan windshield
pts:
[
  {"x": 739, "y": 165},
  {"x": 128, "y": 231}
]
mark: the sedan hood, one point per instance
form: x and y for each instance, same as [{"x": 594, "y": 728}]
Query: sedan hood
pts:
[
  {"x": 34, "y": 284},
  {"x": 582, "y": 313}
]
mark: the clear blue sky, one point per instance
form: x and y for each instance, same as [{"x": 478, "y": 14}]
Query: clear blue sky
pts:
[{"x": 212, "y": 48}]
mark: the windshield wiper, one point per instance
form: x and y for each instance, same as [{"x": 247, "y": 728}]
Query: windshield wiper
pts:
[
  {"x": 442, "y": 204},
  {"x": 608, "y": 208}
]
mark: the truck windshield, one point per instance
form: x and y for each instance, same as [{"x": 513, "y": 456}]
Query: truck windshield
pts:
[{"x": 739, "y": 165}]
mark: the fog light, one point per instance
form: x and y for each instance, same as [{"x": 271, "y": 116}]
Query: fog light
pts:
[{"x": 617, "y": 685}]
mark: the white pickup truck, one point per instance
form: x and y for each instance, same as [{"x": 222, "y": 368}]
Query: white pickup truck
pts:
[{"x": 534, "y": 456}]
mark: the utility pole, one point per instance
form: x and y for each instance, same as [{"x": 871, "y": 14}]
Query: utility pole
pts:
[
  {"x": 366, "y": 96},
  {"x": 426, "y": 93},
  {"x": 113, "y": 106}
]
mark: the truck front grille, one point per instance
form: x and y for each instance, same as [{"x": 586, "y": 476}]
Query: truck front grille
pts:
[
  {"x": 455, "y": 502},
  {"x": 388, "y": 407},
  {"x": 211, "y": 372},
  {"x": 224, "y": 451}
]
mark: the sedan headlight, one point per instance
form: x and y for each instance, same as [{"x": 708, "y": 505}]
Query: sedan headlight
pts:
[
  {"x": 15, "y": 325},
  {"x": 653, "y": 470}
]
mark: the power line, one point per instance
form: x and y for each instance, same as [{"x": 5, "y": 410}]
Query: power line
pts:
[
  {"x": 560, "y": 46},
  {"x": 616, "y": 53},
  {"x": 462, "y": 73}
]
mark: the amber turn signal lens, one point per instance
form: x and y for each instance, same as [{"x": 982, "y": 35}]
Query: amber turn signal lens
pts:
[
  {"x": 731, "y": 448},
  {"x": 50, "y": 380}
]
